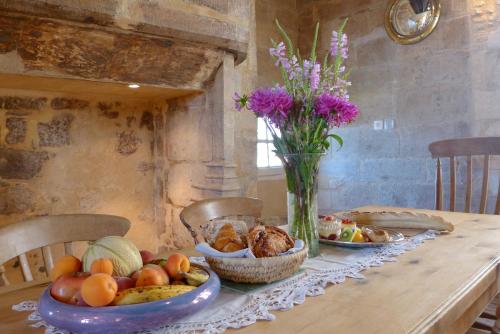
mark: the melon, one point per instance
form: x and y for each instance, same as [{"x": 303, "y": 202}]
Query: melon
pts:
[{"x": 122, "y": 252}]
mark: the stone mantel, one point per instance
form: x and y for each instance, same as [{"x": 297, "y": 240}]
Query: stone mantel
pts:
[{"x": 221, "y": 24}]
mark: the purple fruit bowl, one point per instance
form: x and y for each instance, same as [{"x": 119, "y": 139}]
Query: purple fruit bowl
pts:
[{"x": 127, "y": 318}]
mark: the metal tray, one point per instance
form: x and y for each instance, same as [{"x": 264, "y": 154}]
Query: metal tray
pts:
[{"x": 395, "y": 238}]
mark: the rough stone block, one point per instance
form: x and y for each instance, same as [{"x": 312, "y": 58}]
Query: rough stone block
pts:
[
  {"x": 147, "y": 120},
  {"x": 179, "y": 184},
  {"x": 17, "y": 130},
  {"x": 106, "y": 110},
  {"x": 22, "y": 102},
  {"x": 56, "y": 132},
  {"x": 128, "y": 142},
  {"x": 16, "y": 199},
  {"x": 59, "y": 103},
  {"x": 21, "y": 164}
]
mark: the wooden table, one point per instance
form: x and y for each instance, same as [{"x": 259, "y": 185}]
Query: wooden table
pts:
[{"x": 440, "y": 287}]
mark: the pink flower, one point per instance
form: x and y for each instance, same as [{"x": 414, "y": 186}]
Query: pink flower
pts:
[
  {"x": 315, "y": 76},
  {"x": 273, "y": 103},
  {"x": 335, "y": 110}
]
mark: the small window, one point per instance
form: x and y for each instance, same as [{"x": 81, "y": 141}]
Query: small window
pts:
[{"x": 265, "y": 156}]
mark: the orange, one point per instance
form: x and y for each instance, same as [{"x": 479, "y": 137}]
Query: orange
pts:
[
  {"x": 99, "y": 290},
  {"x": 104, "y": 266},
  {"x": 150, "y": 276},
  {"x": 67, "y": 264}
]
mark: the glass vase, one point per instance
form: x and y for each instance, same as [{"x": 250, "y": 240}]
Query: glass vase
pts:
[{"x": 302, "y": 181}]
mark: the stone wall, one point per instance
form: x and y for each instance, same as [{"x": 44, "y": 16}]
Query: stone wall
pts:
[
  {"x": 143, "y": 154},
  {"x": 443, "y": 87},
  {"x": 72, "y": 154}
]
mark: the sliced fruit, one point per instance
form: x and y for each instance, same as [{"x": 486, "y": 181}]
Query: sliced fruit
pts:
[
  {"x": 347, "y": 234},
  {"x": 150, "y": 294},
  {"x": 196, "y": 276},
  {"x": 358, "y": 236}
]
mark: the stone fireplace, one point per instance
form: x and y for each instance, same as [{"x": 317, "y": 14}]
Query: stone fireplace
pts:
[{"x": 74, "y": 138}]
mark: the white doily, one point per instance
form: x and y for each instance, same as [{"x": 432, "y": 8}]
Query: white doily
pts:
[{"x": 233, "y": 309}]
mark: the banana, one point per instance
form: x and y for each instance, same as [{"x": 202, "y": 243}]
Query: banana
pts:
[
  {"x": 196, "y": 276},
  {"x": 150, "y": 293}
]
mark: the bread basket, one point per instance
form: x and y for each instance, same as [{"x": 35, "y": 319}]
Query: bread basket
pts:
[{"x": 259, "y": 270}]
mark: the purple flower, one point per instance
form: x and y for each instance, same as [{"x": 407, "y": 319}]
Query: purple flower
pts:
[
  {"x": 279, "y": 51},
  {"x": 335, "y": 110},
  {"x": 238, "y": 105},
  {"x": 336, "y": 44},
  {"x": 273, "y": 103},
  {"x": 315, "y": 73}
]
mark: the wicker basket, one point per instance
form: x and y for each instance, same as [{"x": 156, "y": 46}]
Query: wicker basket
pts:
[{"x": 260, "y": 270}]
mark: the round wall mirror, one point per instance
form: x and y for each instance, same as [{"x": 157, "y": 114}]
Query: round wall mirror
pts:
[{"x": 410, "y": 21}]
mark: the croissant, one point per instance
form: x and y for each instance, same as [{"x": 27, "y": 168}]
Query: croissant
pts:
[
  {"x": 267, "y": 241},
  {"x": 227, "y": 240}
]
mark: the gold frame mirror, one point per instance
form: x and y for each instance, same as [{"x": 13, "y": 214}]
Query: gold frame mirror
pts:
[{"x": 410, "y": 21}]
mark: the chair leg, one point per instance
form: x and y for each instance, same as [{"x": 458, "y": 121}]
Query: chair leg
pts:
[{"x": 496, "y": 328}]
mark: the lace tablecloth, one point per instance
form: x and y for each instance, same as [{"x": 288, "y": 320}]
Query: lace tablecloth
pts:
[{"x": 234, "y": 309}]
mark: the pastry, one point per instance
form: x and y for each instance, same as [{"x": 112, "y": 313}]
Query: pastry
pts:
[
  {"x": 376, "y": 235},
  {"x": 405, "y": 219},
  {"x": 227, "y": 240},
  {"x": 329, "y": 228},
  {"x": 267, "y": 241}
]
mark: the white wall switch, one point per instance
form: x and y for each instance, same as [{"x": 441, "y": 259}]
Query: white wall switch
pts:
[
  {"x": 388, "y": 124},
  {"x": 378, "y": 125}
]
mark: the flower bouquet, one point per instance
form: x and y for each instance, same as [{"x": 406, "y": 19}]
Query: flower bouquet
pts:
[{"x": 301, "y": 113}]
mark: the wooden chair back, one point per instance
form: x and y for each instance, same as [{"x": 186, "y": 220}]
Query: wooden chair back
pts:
[
  {"x": 41, "y": 232},
  {"x": 198, "y": 214},
  {"x": 466, "y": 147}
]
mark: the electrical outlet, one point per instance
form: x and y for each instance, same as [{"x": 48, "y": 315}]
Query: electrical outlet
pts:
[
  {"x": 388, "y": 124},
  {"x": 378, "y": 125}
]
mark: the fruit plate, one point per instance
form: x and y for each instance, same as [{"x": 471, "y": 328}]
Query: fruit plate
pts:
[
  {"x": 127, "y": 318},
  {"x": 393, "y": 235}
]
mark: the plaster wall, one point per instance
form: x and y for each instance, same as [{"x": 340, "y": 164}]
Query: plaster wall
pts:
[{"x": 443, "y": 87}]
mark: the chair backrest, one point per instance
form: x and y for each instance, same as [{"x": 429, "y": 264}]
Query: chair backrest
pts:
[
  {"x": 467, "y": 147},
  {"x": 41, "y": 232},
  {"x": 200, "y": 213}
]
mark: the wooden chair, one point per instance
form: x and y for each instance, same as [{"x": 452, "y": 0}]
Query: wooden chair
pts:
[
  {"x": 200, "y": 213},
  {"x": 469, "y": 147},
  {"x": 18, "y": 238}
]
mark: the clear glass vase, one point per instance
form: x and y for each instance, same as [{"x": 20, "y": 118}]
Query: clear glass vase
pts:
[{"x": 302, "y": 182}]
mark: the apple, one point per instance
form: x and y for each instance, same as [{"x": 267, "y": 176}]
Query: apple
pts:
[
  {"x": 67, "y": 286},
  {"x": 77, "y": 300},
  {"x": 124, "y": 283},
  {"x": 177, "y": 264},
  {"x": 146, "y": 256}
]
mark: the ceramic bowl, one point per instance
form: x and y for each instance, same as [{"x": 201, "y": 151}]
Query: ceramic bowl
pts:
[{"x": 127, "y": 318}]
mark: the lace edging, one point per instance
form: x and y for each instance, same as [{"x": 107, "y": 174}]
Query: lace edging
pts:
[{"x": 280, "y": 297}]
